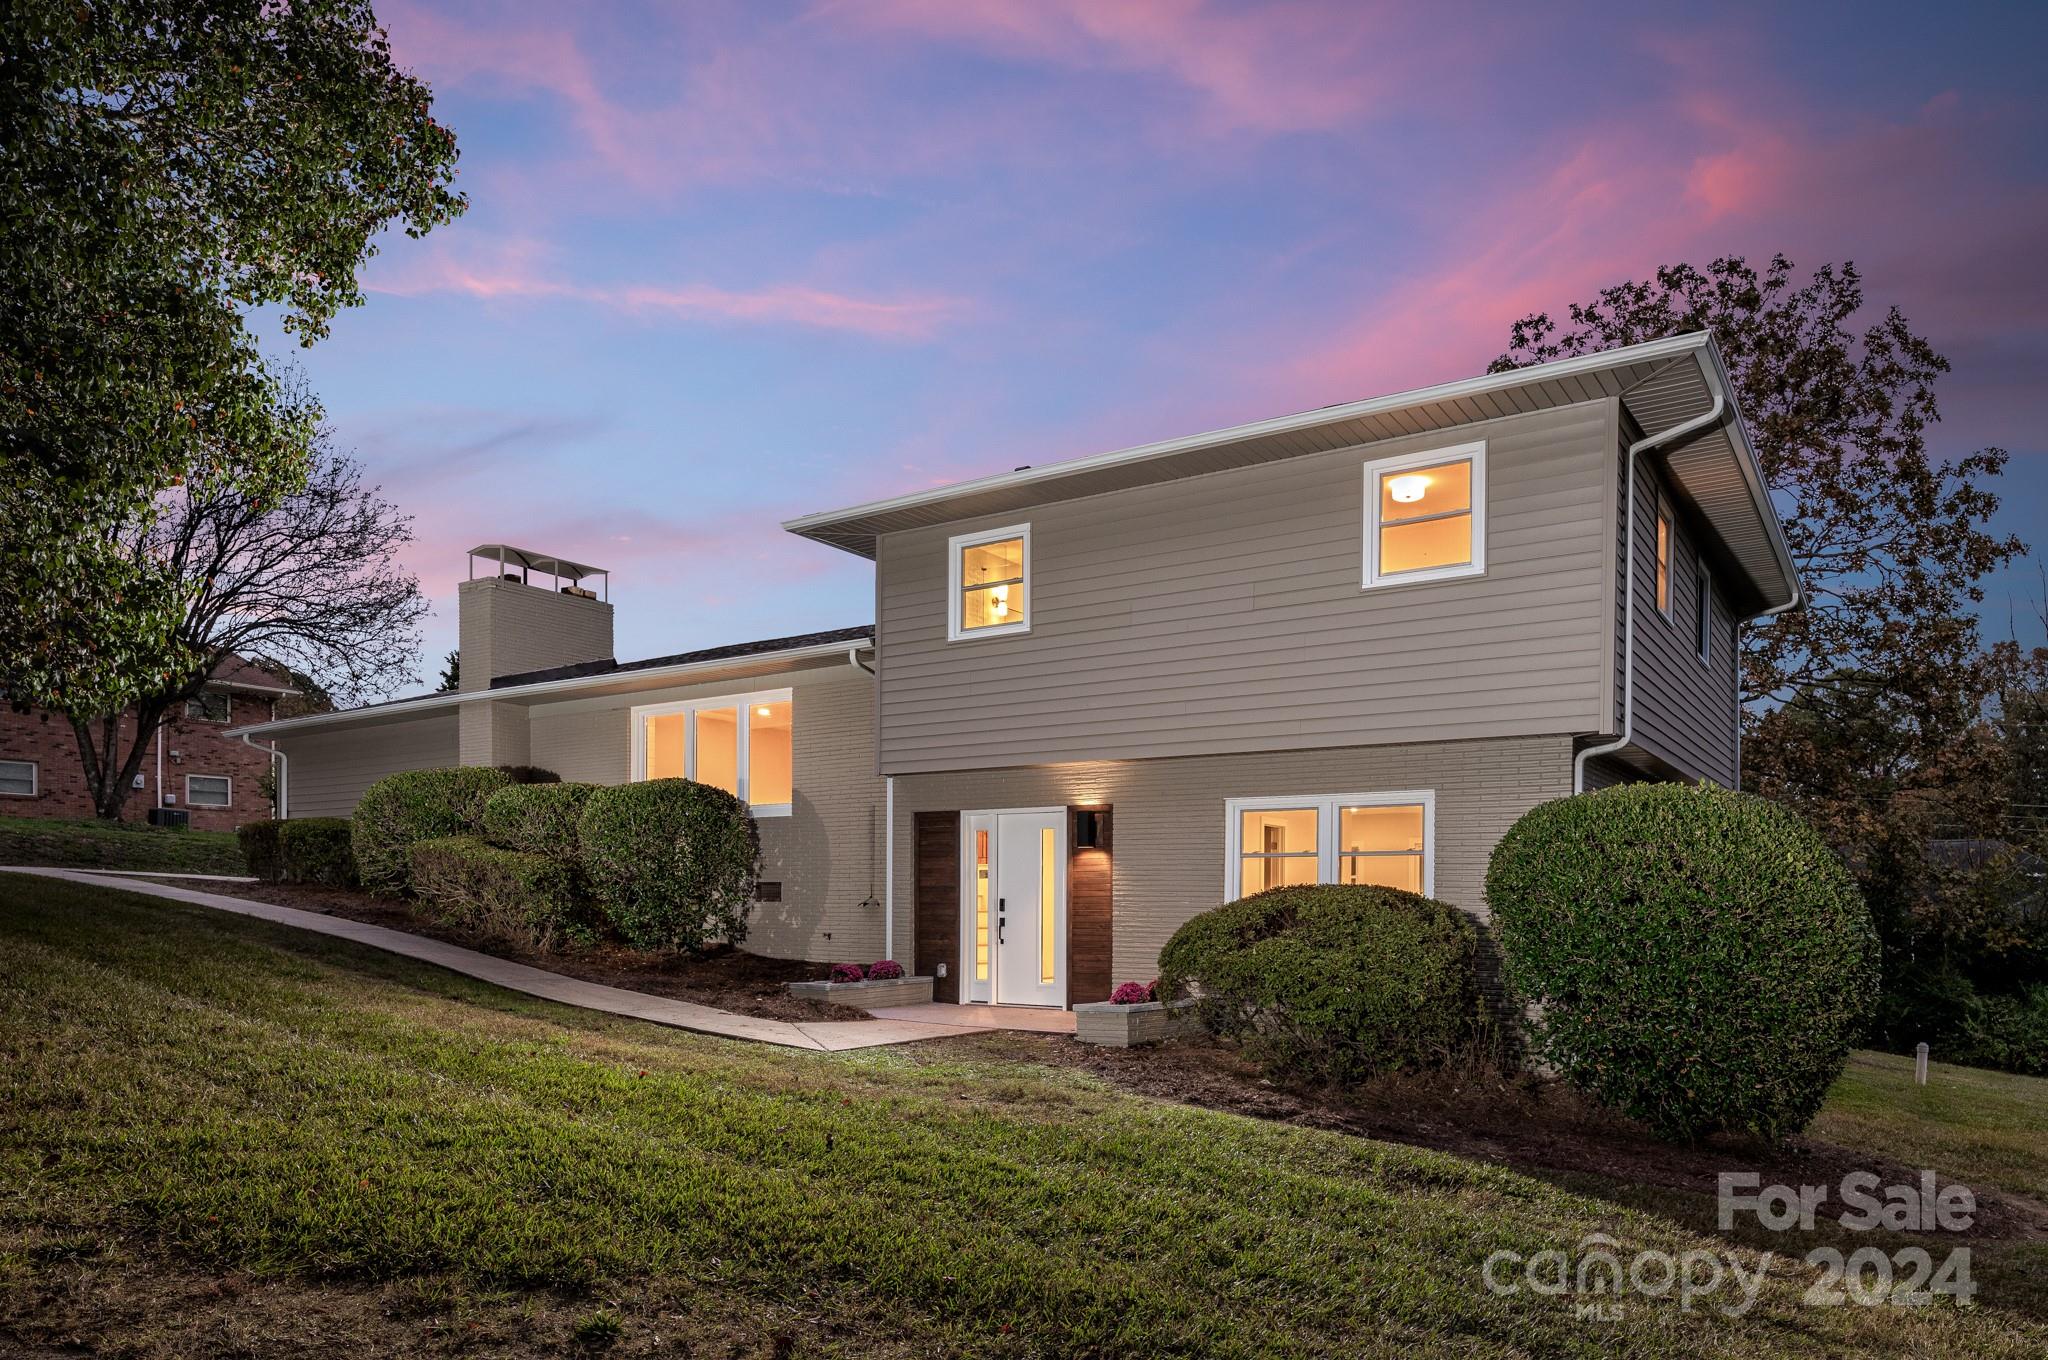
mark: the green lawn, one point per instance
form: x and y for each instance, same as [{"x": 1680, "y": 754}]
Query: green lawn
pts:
[
  {"x": 117, "y": 845},
  {"x": 1983, "y": 1128},
  {"x": 377, "y": 1156}
]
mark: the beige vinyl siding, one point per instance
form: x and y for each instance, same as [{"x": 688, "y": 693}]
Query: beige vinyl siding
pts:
[
  {"x": 1685, "y": 714},
  {"x": 1168, "y": 827},
  {"x": 326, "y": 772},
  {"x": 826, "y": 854},
  {"x": 1225, "y": 613}
]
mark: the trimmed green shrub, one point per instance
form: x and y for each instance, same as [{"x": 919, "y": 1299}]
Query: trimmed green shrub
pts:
[
  {"x": 537, "y": 819},
  {"x": 416, "y": 805},
  {"x": 1334, "y": 982},
  {"x": 530, "y": 774},
  {"x": 318, "y": 850},
  {"x": 671, "y": 861},
  {"x": 471, "y": 883},
  {"x": 1699, "y": 958},
  {"x": 258, "y": 841}
]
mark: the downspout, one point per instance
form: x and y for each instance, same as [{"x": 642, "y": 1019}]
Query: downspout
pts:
[
  {"x": 1628, "y": 607},
  {"x": 277, "y": 759},
  {"x": 1798, "y": 598},
  {"x": 888, "y": 838}
]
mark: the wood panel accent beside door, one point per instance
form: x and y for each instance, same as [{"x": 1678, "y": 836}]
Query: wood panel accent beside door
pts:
[
  {"x": 1089, "y": 883},
  {"x": 936, "y": 901}
]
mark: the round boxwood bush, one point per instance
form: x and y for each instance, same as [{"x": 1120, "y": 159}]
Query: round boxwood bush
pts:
[
  {"x": 1333, "y": 982},
  {"x": 537, "y": 818},
  {"x": 317, "y": 850},
  {"x": 1698, "y": 958},
  {"x": 416, "y": 805},
  {"x": 671, "y": 862}
]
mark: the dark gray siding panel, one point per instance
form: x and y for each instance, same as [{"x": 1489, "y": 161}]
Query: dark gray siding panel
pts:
[
  {"x": 1685, "y": 711},
  {"x": 1224, "y": 613}
]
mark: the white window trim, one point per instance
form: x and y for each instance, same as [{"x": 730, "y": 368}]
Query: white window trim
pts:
[
  {"x": 1374, "y": 578},
  {"x": 956, "y": 547},
  {"x": 225, "y": 779},
  {"x": 35, "y": 778},
  {"x": 642, "y": 712},
  {"x": 1326, "y": 806},
  {"x": 1703, "y": 599},
  {"x": 201, "y": 717}
]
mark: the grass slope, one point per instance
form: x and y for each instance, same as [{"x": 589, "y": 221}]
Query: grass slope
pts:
[
  {"x": 117, "y": 845},
  {"x": 1982, "y": 1127},
  {"x": 183, "y": 1091}
]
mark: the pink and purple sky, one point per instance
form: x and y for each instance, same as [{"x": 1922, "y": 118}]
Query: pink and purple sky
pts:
[{"x": 730, "y": 262}]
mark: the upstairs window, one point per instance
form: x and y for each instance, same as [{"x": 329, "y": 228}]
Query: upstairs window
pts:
[
  {"x": 990, "y": 578},
  {"x": 209, "y": 705},
  {"x": 1425, "y": 516},
  {"x": 741, "y": 743},
  {"x": 1663, "y": 557},
  {"x": 1703, "y": 590}
]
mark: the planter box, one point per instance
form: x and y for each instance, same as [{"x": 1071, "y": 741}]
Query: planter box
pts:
[
  {"x": 903, "y": 991},
  {"x": 1106, "y": 1023}
]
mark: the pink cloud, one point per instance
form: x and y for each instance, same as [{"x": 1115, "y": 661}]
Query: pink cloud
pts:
[
  {"x": 517, "y": 270},
  {"x": 1281, "y": 68}
]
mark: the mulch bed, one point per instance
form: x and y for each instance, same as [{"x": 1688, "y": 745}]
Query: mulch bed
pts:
[
  {"x": 1532, "y": 1124},
  {"x": 730, "y": 979}
]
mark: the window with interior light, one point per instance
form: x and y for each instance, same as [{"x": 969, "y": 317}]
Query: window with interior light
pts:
[
  {"x": 1663, "y": 557},
  {"x": 990, "y": 576},
  {"x": 1425, "y": 515},
  {"x": 1388, "y": 839},
  {"x": 742, "y": 743}
]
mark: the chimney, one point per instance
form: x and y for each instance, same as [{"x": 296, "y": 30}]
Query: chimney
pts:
[{"x": 522, "y": 611}]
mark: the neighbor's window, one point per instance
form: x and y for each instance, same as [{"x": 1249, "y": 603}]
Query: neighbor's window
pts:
[
  {"x": 1378, "y": 838},
  {"x": 17, "y": 778},
  {"x": 990, "y": 576},
  {"x": 208, "y": 791},
  {"x": 1703, "y": 591},
  {"x": 209, "y": 705},
  {"x": 1663, "y": 557},
  {"x": 740, "y": 743},
  {"x": 1425, "y": 515}
]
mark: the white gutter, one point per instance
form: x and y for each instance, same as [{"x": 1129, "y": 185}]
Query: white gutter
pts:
[
  {"x": 1465, "y": 387},
  {"x": 429, "y": 702},
  {"x": 278, "y": 759},
  {"x": 1628, "y": 608}
]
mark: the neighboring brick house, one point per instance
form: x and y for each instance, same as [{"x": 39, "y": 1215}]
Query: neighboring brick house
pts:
[{"x": 192, "y": 763}]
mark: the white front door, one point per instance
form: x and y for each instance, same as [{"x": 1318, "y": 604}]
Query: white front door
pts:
[{"x": 1014, "y": 907}]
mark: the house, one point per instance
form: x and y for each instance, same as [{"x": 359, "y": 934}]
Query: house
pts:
[
  {"x": 1103, "y": 695},
  {"x": 194, "y": 761}
]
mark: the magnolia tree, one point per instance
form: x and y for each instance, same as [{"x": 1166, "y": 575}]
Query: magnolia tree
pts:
[{"x": 168, "y": 165}]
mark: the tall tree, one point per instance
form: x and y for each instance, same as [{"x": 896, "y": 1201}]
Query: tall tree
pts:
[
  {"x": 1891, "y": 543},
  {"x": 307, "y": 581},
  {"x": 165, "y": 166}
]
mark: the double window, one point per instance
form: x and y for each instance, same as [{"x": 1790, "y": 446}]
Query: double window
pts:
[
  {"x": 1387, "y": 839},
  {"x": 1425, "y": 515},
  {"x": 209, "y": 791},
  {"x": 741, "y": 743},
  {"x": 989, "y": 580},
  {"x": 17, "y": 779}
]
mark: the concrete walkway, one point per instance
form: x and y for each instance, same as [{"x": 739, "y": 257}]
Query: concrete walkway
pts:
[
  {"x": 1037, "y": 1019},
  {"x": 819, "y": 1036}
]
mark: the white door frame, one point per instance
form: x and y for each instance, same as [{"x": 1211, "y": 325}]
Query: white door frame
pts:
[{"x": 965, "y": 961}]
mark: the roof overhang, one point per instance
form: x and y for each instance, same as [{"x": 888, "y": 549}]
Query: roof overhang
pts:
[
  {"x": 555, "y": 691},
  {"x": 1709, "y": 467}
]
